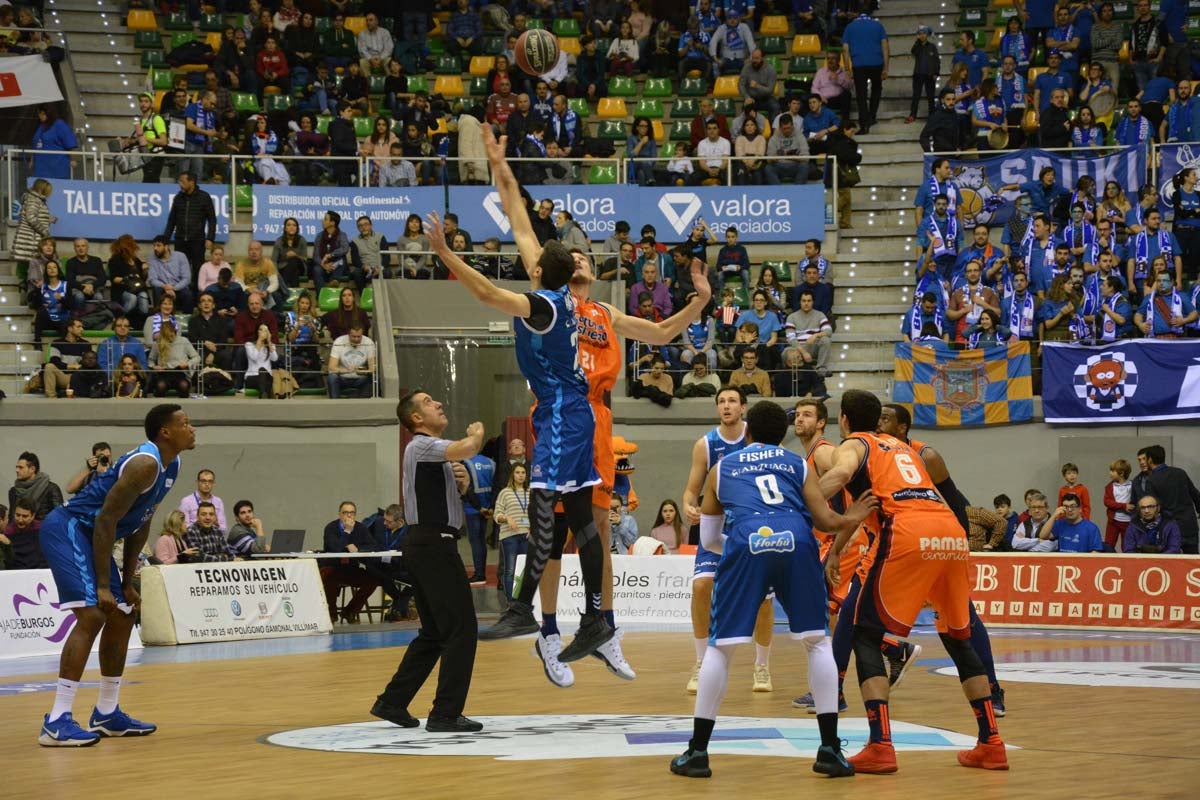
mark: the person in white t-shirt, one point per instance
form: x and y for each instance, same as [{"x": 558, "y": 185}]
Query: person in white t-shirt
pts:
[
  {"x": 352, "y": 365},
  {"x": 712, "y": 154}
]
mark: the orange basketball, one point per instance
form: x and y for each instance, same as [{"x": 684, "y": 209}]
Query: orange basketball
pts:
[{"x": 536, "y": 51}]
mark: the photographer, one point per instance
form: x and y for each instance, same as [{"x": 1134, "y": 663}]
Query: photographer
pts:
[{"x": 98, "y": 464}]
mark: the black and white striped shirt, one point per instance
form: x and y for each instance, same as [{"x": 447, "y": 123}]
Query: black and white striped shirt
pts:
[{"x": 430, "y": 495}]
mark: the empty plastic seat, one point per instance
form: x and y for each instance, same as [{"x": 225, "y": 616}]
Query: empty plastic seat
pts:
[
  {"x": 449, "y": 86},
  {"x": 612, "y": 108},
  {"x": 141, "y": 19}
]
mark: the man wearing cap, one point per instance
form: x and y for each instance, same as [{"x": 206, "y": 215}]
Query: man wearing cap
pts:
[
  {"x": 150, "y": 136},
  {"x": 1053, "y": 78},
  {"x": 731, "y": 44}
]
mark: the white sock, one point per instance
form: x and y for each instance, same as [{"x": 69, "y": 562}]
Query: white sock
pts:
[
  {"x": 110, "y": 688},
  {"x": 822, "y": 674},
  {"x": 701, "y": 646},
  {"x": 64, "y": 696},
  {"x": 762, "y": 654},
  {"x": 714, "y": 678}
]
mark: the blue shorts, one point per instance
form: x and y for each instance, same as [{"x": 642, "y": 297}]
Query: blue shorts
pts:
[
  {"x": 744, "y": 578},
  {"x": 563, "y": 453},
  {"x": 706, "y": 563},
  {"x": 67, "y": 546}
]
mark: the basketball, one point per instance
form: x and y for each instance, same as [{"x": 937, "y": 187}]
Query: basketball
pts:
[{"x": 536, "y": 51}]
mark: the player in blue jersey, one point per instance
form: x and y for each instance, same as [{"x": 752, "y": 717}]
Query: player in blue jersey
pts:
[
  {"x": 547, "y": 334},
  {"x": 727, "y": 437},
  {"x": 77, "y": 540},
  {"x": 760, "y": 505}
]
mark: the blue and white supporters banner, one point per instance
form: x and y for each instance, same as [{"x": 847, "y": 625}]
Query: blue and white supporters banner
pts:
[
  {"x": 104, "y": 210},
  {"x": 979, "y": 180},
  {"x": 1173, "y": 157},
  {"x": 1141, "y": 380}
]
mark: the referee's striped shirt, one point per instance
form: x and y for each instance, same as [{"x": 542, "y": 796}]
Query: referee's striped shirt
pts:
[{"x": 430, "y": 496}]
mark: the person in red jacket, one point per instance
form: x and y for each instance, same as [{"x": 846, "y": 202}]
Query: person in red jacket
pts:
[
  {"x": 272, "y": 68},
  {"x": 1118, "y": 499},
  {"x": 1070, "y": 474}
]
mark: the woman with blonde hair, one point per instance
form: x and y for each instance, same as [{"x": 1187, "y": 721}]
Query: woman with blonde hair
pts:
[
  {"x": 173, "y": 360},
  {"x": 33, "y": 225},
  {"x": 169, "y": 547}
]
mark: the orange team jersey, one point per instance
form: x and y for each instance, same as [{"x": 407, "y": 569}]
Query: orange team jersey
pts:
[
  {"x": 851, "y": 553},
  {"x": 919, "y": 550}
]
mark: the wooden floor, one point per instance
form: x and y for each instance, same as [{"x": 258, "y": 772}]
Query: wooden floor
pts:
[{"x": 1075, "y": 741}]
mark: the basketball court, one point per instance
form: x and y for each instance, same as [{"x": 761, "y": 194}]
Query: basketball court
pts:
[{"x": 1090, "y": 714}]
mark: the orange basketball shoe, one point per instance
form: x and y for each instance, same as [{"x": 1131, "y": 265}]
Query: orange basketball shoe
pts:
[
  {"x": 876, "y": 759},
  {"x": 984, "y": 756}
]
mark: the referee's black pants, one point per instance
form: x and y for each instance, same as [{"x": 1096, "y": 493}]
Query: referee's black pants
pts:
[{"x": 448, "y": 625}]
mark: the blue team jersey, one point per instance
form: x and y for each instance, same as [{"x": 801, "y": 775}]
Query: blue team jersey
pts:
[
  {"x": 549, "y": 359},
  {"x": 761, "y": 481},
  {"x": 718, "y": 447},
  {"x": 84, "y": 506}
]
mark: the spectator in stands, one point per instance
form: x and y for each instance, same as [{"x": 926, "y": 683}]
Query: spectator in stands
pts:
[
  {"x": 120, "y": 344},
  {"x": 352, "y": 365},
  {"x": 692, "y": 51},
  {"x": 987, "y": 113},
  {"x": 621, "y": 267},
  {"x": 942, "y": 132},
  {"x": 33, "y": 228},
  {"x": 464, "y": 32},
  {"x": 622, "y": 524},
  {"x": 512, "y": 517},
  {"x": 397, "y": 170},
  {"x": 713, "y": 153},
  {"x": 66, "y": 357},
  {"x": 378, "y": 145},
  {"x": 173, "y": 362},
  {"x": 987, "y": 528},
  {"x": 655, "y": 385},
  {"x": 260, "y": 356},
  {"x": 1134, "y": 129},
  {"x": 565, "y": 127},
  {"x": 623, "y": 51},
  {"x": 1065, "y": 38},
  {"x": 501, "y": 104},
  {"x": 1180, "y": 119},
  {"x": 375, "y": 44},
  {"x": 206, "y": 536},
  {"x": 976, "y": 60},
  {"x": 1062, "y": 312},
  {"x": 927, "y": 65},
  {"x": 865, "y": 43},
  {"x": 651, "y": 285},
  {"x": 97, "y": 464},
  {"x": 1175, "y": 490},
  {"x": 1033, "y": 534},
  {"x": 51, "y": 135},
  {"x": 940, "y": 237},
  {"x": 1113, "y": 316},
  {"x": 415, "y": 242},
  {"x": 702, "y": 381},
  {"x": 347, "y": 315},
  {"x": 1105, "y": 41},
  {"x": 22, "y": 534},
  {"x": 302, "y": 45},
  {"x": 331, "y": 252},
  {"x": 749, "y": 169},
  {"x": 170, "y": 547},
  {"x": 302, "y": 331},
  {"x": 570, "y": 233},
  {"x": 246, "y": 536},
  {"x": 289, "y": 254},
  {"x": 1070, "y": 474},
  {"x": 970, "y": 301},
  {"x": 1085, "y": 131},
  {"x": 1152, "y": 531},
  {"x": 192, "y": 221},
  {"x": 769, "y": 327},
  {"x": 34, "y": 487},
  {"x": 1118, "y": 493},
  {"x": 821, "y": 291},
  {"x": 227, "y": 293},
  {"x": 86, "y": 279},
  {"x": 733, "y": 260},
  {"x": 235, "y": 63},
  {"x": 668, "y": 526},
  {"x": 1003, "y": 506},
  {"x": 642, "y": 152},
  {"x": 201, "y": 124},
  {"x": 1053, "y": 78},
  {"x": 246, "y": 330},
  {"x": 757, "y": 82},
  {"x": 1186, "y": 225},
  {"x": 750, "y": 378},
  {"x": 164, "y": 312},
  {"x": 699, "y": 125},
  {"x": 808, "y": 334},
  {"x": 1165, "y": 311},
  {"x": 768, "y": 281},
  {"x": 169, "y": 275},
  {"x": 925, "y": 312},
  {"x": 732, "y": 43},
  {"x": 341, "y": 48},
  {"x": 371, "y": 263},
  {"x": 128, "y": 380},
  {"x": 53, "y": 304},
  {"x": 343, "y": 143},
  {"x": 1073, "y": 533},
  {"x": 820, "y": 123},
  {"x": 1144, "y": 246},
  {"x": 832, "y": 84},
  {"x": 209, "y": 332},
  {"x": 189, "y": 506},
  {"x": 987, "y": 332}
]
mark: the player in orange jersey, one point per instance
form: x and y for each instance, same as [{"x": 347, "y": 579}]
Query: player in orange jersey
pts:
[
  {"x": 600, "y": 325},
  {"x": 811, "y": 418},
  {"x": 921, "y": 555}
]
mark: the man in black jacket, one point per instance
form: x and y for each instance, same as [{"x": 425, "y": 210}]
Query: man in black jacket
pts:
[
  {"x": 533, "y": 173},
  {"x": 1054, "y": 124},
  {"x": 1178, "y": 495},
  {"x": 192, "y": 221},
  {"x": 209, "y": 333},
  {"x": 86, "y": 278},
  {"x": 941, "y": 132},
  {"x": 343, "y": 142},
  {"x": 347, "y": 535},
  {"x": 35, "y": 486}
]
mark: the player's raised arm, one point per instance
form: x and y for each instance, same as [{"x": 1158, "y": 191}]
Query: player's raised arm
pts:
[
  {"x": 511, "y": 199},
  {"x": 659, "y": 333},
  {"x": 136, "y": 477},
  {"x": 695, "y": 482},
  {"x": 484, "y": 290}
]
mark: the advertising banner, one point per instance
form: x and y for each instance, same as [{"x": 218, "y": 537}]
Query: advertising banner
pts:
[
  {"x": 648, "y": 591},
  {"x": 1140, "y": 380},
  {"x": 31, "y": 623},
  {"x": 1114, "y": 592},
  {"x": 220, "y": 602},
  {"x": 99, "y": 210},
  {"x": 27, "y": 81},
  {"x": 946, "y": 388}
]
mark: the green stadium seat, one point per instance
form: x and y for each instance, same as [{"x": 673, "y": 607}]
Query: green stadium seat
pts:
[
  {"x": 478, "y": 86},
  {"x": 566, "y": 26},
  {"x": 726, "y": 106},
  {"x": 535, "y": 23},
  {"x": 375, "y": 85},
  {"x": 328, "y": 298},
  {"x": 323, "y": 24},
  {"x": 323, "y": 124},
  {"x": 684, "y": 108},
  {"x": 612, "y": 129},
  {"x": 783, "y": 270},
  {"x": 436, "y": 45},
  {"x": 182, "y": 37},
  {"x": 447, "y": 65},
  {"x": 622, "y": 86},
  {"x": 981, "y": 39},
  {"x": 293, "y": 294},
  {"x": 802, "y": 65},
  {"x": 740, "y": 296},
  {"x": 362, "y": 126},
  {"x": 147, "y": 40},
  {"x": 212, "y": 22},
  {"x": 649, "y": 108},
  {"x": 162, "y": 79},
  {"x": 580, "y": 106},
  {"x": 280, "y": 102},
  {"x": 972, "y": 18},
  {"x": 778, "y": 62},
  {"x": 774, "y": 45},
  {"x": 694, "y": 87},
  {"x": 243, "y": 196},
  {"x": 657, "y": 87},
  {"x": 153, "y": 58},
  {"x": 602, "y": 44},
  {"x": 245, "y": 103},
  {"x": 1039, "y": 57},
  {"x": 602, "y": 173},
  {"x": 681, "y": 131},
  {"x": 418, "y": 83},
  {"x": 493, "y": 44},
  {"x": 178, "y": 22},
  {"x": 387, "y": 23},
  {"x": 367, "y": 301}
]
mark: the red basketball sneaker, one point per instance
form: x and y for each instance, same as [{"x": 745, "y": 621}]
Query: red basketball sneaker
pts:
[
  {"x": 984, "y": 756},
  {"x": 876, "y": 759}
]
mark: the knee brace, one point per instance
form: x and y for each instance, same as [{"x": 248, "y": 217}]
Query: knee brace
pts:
[
  {"x": 867, "y": 657},
  {"x": 966, "y": 660}
]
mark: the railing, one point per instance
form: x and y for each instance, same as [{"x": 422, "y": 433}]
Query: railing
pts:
[
  {"x": 18, "y": 170},
  {"x": 503, "y": 261}
]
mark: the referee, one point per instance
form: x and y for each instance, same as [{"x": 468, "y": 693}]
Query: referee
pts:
[{"x": 432, "y": 486}]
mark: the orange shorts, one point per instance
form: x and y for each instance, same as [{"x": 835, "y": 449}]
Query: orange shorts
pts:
[
  {"x": 851, "y": 554},
  {"x": 921, "y": 556},
  {"x": 603, "y": 457}
]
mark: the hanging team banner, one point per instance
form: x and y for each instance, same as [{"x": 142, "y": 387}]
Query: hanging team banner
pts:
[
  {"x": 1172, "y": 158},
  {"x": 979, "y": 180},
  {"x": 31, "y": 621},
  {"x": 1141, "y": 380},
  {"x": 105, "y": 210},
  {"x": 945, "y": 388},
  {"x": 27, "y": 81}
]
